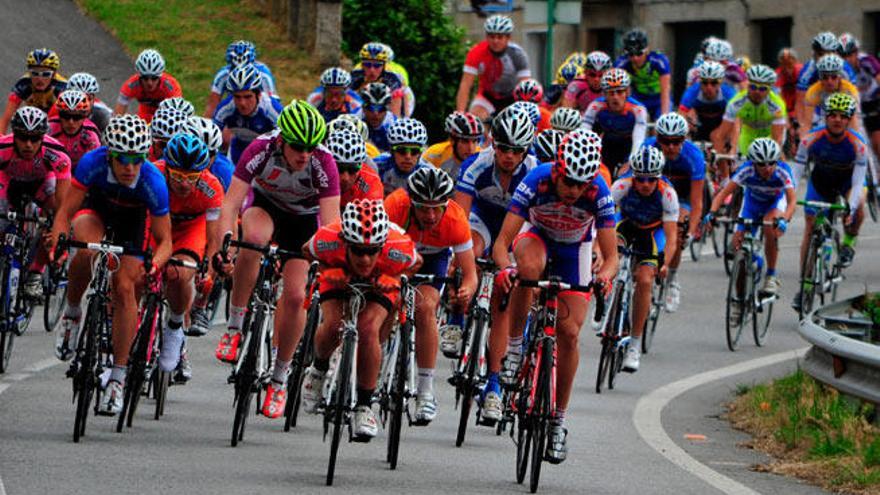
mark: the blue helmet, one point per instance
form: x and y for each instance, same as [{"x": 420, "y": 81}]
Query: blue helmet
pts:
[
  {"x": 240, "y": 52},
  {"x": 187, "y": 152},
  {"x": 244, "y": 78}
]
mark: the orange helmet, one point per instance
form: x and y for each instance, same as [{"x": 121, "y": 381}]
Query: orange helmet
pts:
[{"x": 73, "y": 101}]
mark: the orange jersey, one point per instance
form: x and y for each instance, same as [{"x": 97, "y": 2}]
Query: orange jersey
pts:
[
  {"x": 367, "y": 185},
  {"x": 544, "y": 123},
  {"x": 453, "y": 231},
  {"x": 397, "y": 256},
  {"x": 605, "y": 173},
  {"x": 203, "y": 201},
  {"x": 148, "y": 101}
]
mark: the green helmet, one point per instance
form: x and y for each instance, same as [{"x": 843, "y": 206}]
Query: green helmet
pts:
[
  {"x": 300, "y": 123},
  {"x": 840, "y": 102}
]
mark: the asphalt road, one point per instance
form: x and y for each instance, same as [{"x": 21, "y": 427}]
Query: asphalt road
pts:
[{"x": 188, "y": 450}]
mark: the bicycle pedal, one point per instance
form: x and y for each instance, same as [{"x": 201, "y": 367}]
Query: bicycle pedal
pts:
[{"x": 454, "y": 380}]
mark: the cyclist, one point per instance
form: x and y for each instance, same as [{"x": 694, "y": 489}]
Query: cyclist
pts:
[
  {"x": 583, "y": 91},
  {"x": 839, "y": 156},
  {"x": 704, "y": 102},
  {"x": 824, "y": 43},
  {"x": 374, "y": 59},
  {"x": 769, "y": 196},
  {"x": 618, "y": 118},
  {"x": 179, "y": 104},
  {"x": 868, "y": 81},
  {"x": 786, "y": 76},
  {"x": 465, "y": 131},
  {"x": 247, "y": 112},
  {"x": 649, "y": 71},
  {"x": 38, "y": 87},
  {"x": 88, "y": 84},
  {"x": 355, "y": 180},
  {"x": 128, "y": 197},
  {"x": 498, "y": 63},
  {"x": 721, "y": 51},
  {"x": 358, "y": 126},
  {"x": 565, "y": 119},
  {"x": 830, "y": 70},
  {"x": 531, "y": 91},
  {"x": 363, "y": 247},
  {"x": 391, "y": 65},
  {"x": 72, "y": 128},
  {"x": 648, "y": 212},
  {"x": 439, "y": 227},
  {"x": 333, "y": 97},
  {"x": 564, "y": 203},
  {"x": 33, "y": 166},
  {"x": 149, "y": 86},
  {"x": 546, "y": 145},
  {"x": 407, "y": 138},
  {"x": 166, "y": 123},
  {"x": 566, "y": 74},
  {"x": 238, "y": 53},
  {"x": 295, "y": 184},
  {"x": 377, "y": 98}
]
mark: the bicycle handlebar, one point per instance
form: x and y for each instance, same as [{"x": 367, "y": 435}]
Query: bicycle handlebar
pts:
[
  {"x": 558, "y": 285},
  {"x": 422, "y": 278},
  {"x": 270, "y": 249},
  {"x": 823, "y": 205}
]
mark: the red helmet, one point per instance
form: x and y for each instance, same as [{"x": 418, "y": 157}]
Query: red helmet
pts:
[
  {"x": 464, "y": 125},
  {"x": 365, "y": 222},
  {"x": 73, "y": 101},
  {"x": 528, "y": 90}
]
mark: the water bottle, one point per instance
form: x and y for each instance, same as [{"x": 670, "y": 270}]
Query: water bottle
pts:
[
  {"x": 14, "y": 273},
  {"x": 827, "y": 251},
  {"x": 758, "y": 266}
]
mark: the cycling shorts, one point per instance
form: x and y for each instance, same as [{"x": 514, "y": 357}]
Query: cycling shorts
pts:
[
  {"x": 387, "y": 300},
  {"x": 572, "y": 263},
  {"x": 124, "y": 226},
  {"x": 436, "y": 264},
  {"x": 492, "y": 105},
  {"x": 814, "y": 195},
  {"x": 649, "y": 244},
  {"x": 291, "y": 230},
  {"x": 17, "y": 193},
  {"x": 757, "y": 210},
  {"x": 189, "y": 238},
  {"x": 479, "y": 227}
]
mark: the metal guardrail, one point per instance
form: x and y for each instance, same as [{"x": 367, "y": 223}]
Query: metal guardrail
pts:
[{"x": 837, "y": 357}]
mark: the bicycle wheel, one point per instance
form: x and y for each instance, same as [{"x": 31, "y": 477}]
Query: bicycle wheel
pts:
[
  {"x": 658, "y": 295},
  {"x": 55, "y": 295},
  {"x": 542, "y": 413},
  {"x": 761, "y": 321},
  {"x": 301, "y": 359},
  {"x": 341, "y": 402},
  {"x": 523, "y": 445},
  {"x": 161, "y": 381},
  {"x": 872, "y": 199},
  {"x": 213, "y": 305},
  {"x": 810, "y": 271},
  {"x": 725, "y": 246},
  {"x": 397, "y": 394},
  {"x": 7, "y": 337},
  {"x": 468, "y": 382},
  {"x": 736, "y": 301},
  {"x": 604, "y": 362}
]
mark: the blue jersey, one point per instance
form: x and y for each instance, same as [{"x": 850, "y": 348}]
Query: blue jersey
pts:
[
  {"x": 621, "y": 132},
  {"x": 477, "y": 178},
  {"x": 392, "y": 177},
  {"x": 690, "y": 165},
  {"x": 388, "y": 78},
  {"x": 646, "y": 79},
  {"x": 645, "y": 212},
  {"x": 246, "y": 128},
  {"x": 218, "y": 85},
  {"x": 837, "y": 167},
  {"x": 760, "y": 190},
  {"x": 222, "y": 168},
  {"x": 809, "y": 75},
  {"x": 350, "y": 106},
  {"x": 536, "y": 200},
  {"x": 379, "y": 135},
  {"x": 709, "y": 112},
  {"x": 93, "y": 173}
]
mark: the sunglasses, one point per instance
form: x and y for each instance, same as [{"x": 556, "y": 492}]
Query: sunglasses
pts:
[
  {"x": 359, "y": 250},
  {"x": 830, "y": 76},
  {"x": 128, "y": 158},
  {"x": 710, "y": 82},
  {"x": 376, "y": 108},
  {"x": 506, "y": 148},
  {"x": 428, "y": 206},
  {"x": 348, "y": 168},
  {"x": 670, "y": 142},
  {"x": 183, "y": 177},
  {"x": 569, "y": 182},
  {"x": 615, "y": 91},
  {"x": 150, "y": 78},
  {"x": 31, "y": 138},
  {"x": 757, "y": 87},
  {"x": 42, "y": 73},
  {"x": 407, "y": 150},
  {"x": 646, "y": 180},
  {"x": 71, "y": 116},
  {"x": 302, "y": 148},
  {"x": 764, "y": 164},
  {"x": 372, "y": 65}
]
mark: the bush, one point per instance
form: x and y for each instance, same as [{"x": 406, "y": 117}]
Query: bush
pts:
[{"x": 425, "y": 40}]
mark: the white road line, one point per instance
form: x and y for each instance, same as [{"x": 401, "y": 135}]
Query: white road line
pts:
[
  {"x": 647, "y": 419},
  {"x": 41, "y": 365}
]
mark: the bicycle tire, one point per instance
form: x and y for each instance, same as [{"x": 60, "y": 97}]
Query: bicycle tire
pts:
[
  {"x": 809, "y": 270},
  {"x": 7, "y": 337},
  {"x": 872, "y": 199},
  {"x": 7, "y": 334},
  {"x": 761, "y": 324},
  {"x": 836, "y": 270},
  {"x": 523, "y": 444},
  {"x": 397, "y": 395},
  {"x": 55, "y": 292},
  {"x": 161, "y": 381},
  {"x": 137, "y": 377},
  {"x": 341, "y": 402},
  {"x": 244, "y": 395},
  {"x": 604, "y": 362},
  {"x": 734, "y": 329},
  {"x": 725, "y": 246},
  {"x": 468, "y": 381},
  {"x": 541, "y": 414},
  {"x": 301, "y": 358},
  {"x": 658, "y": 294}
]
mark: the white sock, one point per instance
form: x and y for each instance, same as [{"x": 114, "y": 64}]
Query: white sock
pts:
[
  {"x": 279, "y": 374},
  {"x": 635, "y": 343},
  {"x": 514, "y": 345},
  {"x": 117, "y": 373},
  {"x": 175, "y": 321},
  {"x": 426, "y": 381},
  {"x": 236, "y": 318}
]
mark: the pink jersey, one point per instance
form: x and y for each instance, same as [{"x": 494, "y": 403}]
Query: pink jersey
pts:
[
  {"x": 579, "y": 90},
  {"x": 50, "y": 161},
  {"x": 78, "y": 144}
]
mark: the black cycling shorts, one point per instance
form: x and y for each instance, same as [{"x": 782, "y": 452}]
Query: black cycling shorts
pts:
[{"x": 292, "y": 231}]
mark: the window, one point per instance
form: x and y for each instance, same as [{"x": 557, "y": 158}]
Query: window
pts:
[
  {"x": 601, "y": 39},
  {"x": 773, "y": 35},
  {"x": 688, "y": 36}
]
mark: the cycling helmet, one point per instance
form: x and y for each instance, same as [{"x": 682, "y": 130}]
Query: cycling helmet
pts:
[
  {"x": 647, "y": 161},
  {"x": 240, "y": 52},
  {"x": 528, "y": 90},
  {"x": 598, "y": 61},
  {"x": 335, "y": 77},
  {"x": 187, "y": 152},
  {"x": 150, "y": 63},
  {"x": 346, "y": 146},
  {"x": 763, "y": 150},
  {"x": 579, "y": 156},
  {"x": 568, "y": 73},
  {"x": 719, "y": 51},
  {"x": 73, "y": 101},
  {"x": 825, "y": 42},
  {"x": 349, "y": 122},
  {"x": 85, "y": 82},
  {"x": 206, "y": 130},
  {"x": 704, "y": 45},
  {"x": 127, "y": 134},
  {"x": 429, "y": 185},
  {"x": 529, "y": 108},
  {"x": 407, "y": 131},
  {"x": 787, "y": 52},
  {"x": 565, "y": 119},
  {"x": 464, "y": 125},
  {"x": 841, "y": 103},
  {"x": 711, "y": 70},
  {"x": 300, "y": 123},
  {"x": 547, "y": 144},
  {"x": 166, "y": 123},
  {"x": 635, "y": 42},
  {"x": 513, "y": 128},
  {"x": 375, "y": 51},
  {"x": 365, "y": 222},
  {"x": 498, "y": 24},
  {"x": 615, "y": 79},
  {"x": 830, "y": 63},
  {"x": 376, "y": 94},
  {"x": 43, "y": 57},
  {"x": 671, "y": 124},
  {"x": 178, "y": 103},
  {"x": 761, "y": 74},
  {"x": 30, "y": 120},
  {"x": 849, "y": 44},
  {"x": 389, "y": 51},
  {"x": 244, "y": 78}
]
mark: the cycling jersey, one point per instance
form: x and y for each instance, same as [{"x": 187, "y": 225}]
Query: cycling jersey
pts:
[
  {"x": 838, "y": 168},
  {"x": 787, "y": 84},
  {"x": 709, "y": 112},
  {"x": 262, "y": 165},
  {"x": 453, "y": 231},
  {"x": 245, "y": 128},
  {"x": 733, "y": 73},
  {"x": 498, "y": 73},
  {"x": 581, "y": 93},
  {"x": 148, "y": 101},
  {"x": 646, "y": 79},
  {"x": 689, "y": 166},
  {"x": 78, "y": 144},
  {"x": 223, "y": 168},
  {"x": 763, "y": 190},
  {"x": 757, "y": 119},
  {"x": 388, "y": 78},
  {"x": 645, "y": 212},
  {"x": 379, "y": 135},
  {"x": 809, "y": 75},
  {"x": 350, "y": 106},
  {"x": 866, "y": 78},
  {"x": 816, "y": 96},
  {"x": 218, "y": 85},
  {"x": 50, "y": 162},
  {"x": 367, "y": 185},
  {"x": 391, "y": 176},
  {"x": 190, "y": 213},
  {"x": 442, "y": 156},
  {"x": 23, "y": 92},
  {"x": 148, "y": 191},
  {"x": 621, "y": 132}
]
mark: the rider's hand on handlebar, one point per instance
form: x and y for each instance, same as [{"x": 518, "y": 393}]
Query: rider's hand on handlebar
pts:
[
  {"x": 387, "y": 284},
  {"x": 221, "y": 263},
  {"x": 335, "y": 277},
  {"x": 463, "y": 295},
  {"x": 504, "y": 279}
]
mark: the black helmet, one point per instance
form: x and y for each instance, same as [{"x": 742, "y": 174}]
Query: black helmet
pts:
[{"x": 635, "y": 42}]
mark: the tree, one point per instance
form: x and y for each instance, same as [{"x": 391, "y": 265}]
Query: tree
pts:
[{"x": 425, "y": 40}]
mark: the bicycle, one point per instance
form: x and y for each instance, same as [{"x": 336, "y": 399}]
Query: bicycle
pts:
[
  {"x": 746, "y": 304},
  {"x": 305, "y": 351},
  {"x": 710, "y": 187},
  {"x": 872, "y": 193},
  {"x": 55, "y": 295},
  {"x": 616, "y": 328},
  {"x": 730, "y": 210},
  {"x": 821, "y": 271},
  {"x": 251, "y": 372}
]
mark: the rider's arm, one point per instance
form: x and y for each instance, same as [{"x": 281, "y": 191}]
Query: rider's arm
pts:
[
  {"x": 11, "y": 107},
  {"x": 665, "y": 100},
  {"x": 465, "y": 260},
  {"x": 70, "y": 203},
  {"x": 777, "y": 133},
  {"x": 721, "y": 136},
  {"x": 232, "y": 202},
  {"x": 722, "y": 195},
  {"x": 464, "y": 200},
  {"x": 640, "y": 128},
  {"x": 791, "y": 203},
  {"x": 328, "y": 209},
  {"x": 696, "y": 206},
  {"x": 211, "y": 104},
  {"x": 464, "y": 91},
  {"x": 857, "y": 183},
  {"x": 511, "y": 226},
  {"x": 160, "y": 228}
]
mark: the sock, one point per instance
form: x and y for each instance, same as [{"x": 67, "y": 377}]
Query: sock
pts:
[
  {"x": 321, "y": 365},
  {"x": 492, "y": 384},
  {"x": 849, "y": 240},
  {"x": 635, "y": 343},
  {"x": 175, "y": 321},
  {"x": 279, "y": 374},
  {"x": 559, "y": 416},
  {"x": 672, "y": 273},
  {"x": 457, "y": 320},
  {"x": 514, "y": 345},
  {"x": 117, "y": 374},
  {"x": 771, "y": 272},
  {"x": 364, "y": 397},
  {"x": 236, "y": 318},
  {"x": 73, "y": 311},
  {"x": 426, "y": 381}
]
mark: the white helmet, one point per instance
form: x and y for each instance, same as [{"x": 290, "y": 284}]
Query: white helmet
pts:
[
  {"x": 719, "y": 50},
  {"x": 498, "y": 24},
  {"x": 349, "y": 122},
  {"x": 830, "y": 63},
  {"x": 346, "y": 146},
  {"x": 671, "y": 124},
  {"x": 761, "y": 74},
  {"x": 335, "y": 77},
  {"x": 565, "y": 119},
  {"x": 531, "y": 109},
  {"x": 127, "y": 134},
  {"x": 647, "y": 161},
  {"x": 407, "y": 131},
  {"x": 547, "y": 144},
  {"x": 166, "y": 123},
  {"x": 711, "y": 70},
  {"x": 150, "y": 63},
  {"x": 579, "y": 156},
  {"x": 178, "y": 103},
  {"x": 763, "y": 150},
  {"x": 207, "y": 130},
  {"x": 513, "y": 129},
  {"x": 84, "y": 82},
  {"x": 598, "y": 61}
]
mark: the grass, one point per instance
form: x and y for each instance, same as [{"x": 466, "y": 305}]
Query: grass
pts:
[
  {"x": 813, "y": 432},
  {"x": 192, "y": 36}
]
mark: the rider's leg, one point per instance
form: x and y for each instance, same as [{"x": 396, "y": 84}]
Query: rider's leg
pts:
[
  {"x": 427, "y": 299},
  {"x": 567, "y": 330},
  {"x": 644, "y": 277},
  {"x": 257, "y": 228},
  {"x": 125, "y": 306},
  {"x": 179, "y": 293}
]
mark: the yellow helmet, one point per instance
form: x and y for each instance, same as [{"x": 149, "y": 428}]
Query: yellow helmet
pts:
[{"x": 43, "y": 57}]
